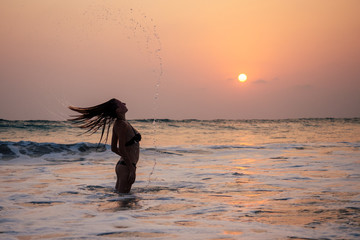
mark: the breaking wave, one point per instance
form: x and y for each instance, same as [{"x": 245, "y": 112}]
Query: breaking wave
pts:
[{"x": 12, "y": 150}]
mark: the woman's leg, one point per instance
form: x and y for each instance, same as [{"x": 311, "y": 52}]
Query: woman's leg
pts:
[{"x": 122, "y": 182}]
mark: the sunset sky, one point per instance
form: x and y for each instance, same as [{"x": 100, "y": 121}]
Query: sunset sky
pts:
[{"x": 181, "y": 59}]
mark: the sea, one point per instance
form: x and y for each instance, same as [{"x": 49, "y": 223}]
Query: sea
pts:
[{"x": 196, "y": 179}]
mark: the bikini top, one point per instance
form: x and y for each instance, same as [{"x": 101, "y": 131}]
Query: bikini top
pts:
[{"x": 135, "y": 139}]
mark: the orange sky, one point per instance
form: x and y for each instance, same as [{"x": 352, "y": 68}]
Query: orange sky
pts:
[{"x": 301, "y": 58}]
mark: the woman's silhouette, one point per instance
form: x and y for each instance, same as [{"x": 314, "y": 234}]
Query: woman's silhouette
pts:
[{"x": 125, "y": 139}]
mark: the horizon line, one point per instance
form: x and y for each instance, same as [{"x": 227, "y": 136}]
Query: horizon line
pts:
[{"x": 196, "y": 119}]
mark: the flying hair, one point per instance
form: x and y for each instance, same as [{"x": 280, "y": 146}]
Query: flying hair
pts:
[{"x": 92, "y": 119}]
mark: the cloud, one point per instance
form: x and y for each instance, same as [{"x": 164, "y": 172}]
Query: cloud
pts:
[{"x": 260, "y": 81}]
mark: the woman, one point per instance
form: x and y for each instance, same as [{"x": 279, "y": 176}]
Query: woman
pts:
[{"x": 125, "y": 139}]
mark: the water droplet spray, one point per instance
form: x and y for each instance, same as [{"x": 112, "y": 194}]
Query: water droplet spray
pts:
[{"x": 156, "y": 96}]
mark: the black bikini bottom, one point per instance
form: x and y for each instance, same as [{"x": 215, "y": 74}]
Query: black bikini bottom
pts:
[{"x": 122, "y": 162}]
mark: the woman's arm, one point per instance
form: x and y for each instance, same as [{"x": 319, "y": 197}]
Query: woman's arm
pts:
[
  {"x": 114, "y": 142},
  {"x": 118, "y": 140}
]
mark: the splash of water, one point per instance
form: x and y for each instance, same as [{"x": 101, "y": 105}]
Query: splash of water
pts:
[{"x": 156, "y": 95}]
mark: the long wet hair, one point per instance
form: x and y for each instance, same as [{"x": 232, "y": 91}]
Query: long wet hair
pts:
[{"x": 92, "y": 119}]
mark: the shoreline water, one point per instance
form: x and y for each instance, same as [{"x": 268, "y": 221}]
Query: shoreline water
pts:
[{"x": 288, "y": 179}]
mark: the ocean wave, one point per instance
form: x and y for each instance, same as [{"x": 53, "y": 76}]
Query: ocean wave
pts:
[
  {"x": 33, "y": 124},
  {"x": 6, "y": 123},
  {"x": 73, "y": 152},
  {"x": 11, "y": 150}
]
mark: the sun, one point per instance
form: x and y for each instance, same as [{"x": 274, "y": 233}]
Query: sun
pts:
[{"x": 242, "y": 77}]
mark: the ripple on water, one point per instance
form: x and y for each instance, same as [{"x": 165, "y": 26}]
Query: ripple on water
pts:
[
  {"x": 41, "y": 203},
  {"x": 120, "y": 204},
  {"x": 129, "y": 234}
]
